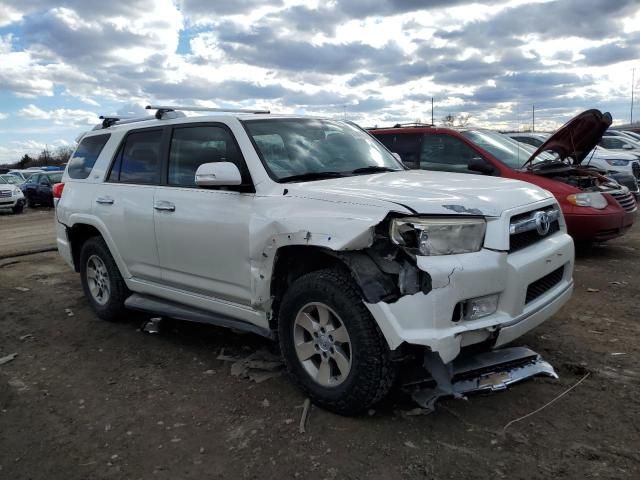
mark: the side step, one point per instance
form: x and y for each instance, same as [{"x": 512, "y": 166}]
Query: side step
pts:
[
  {"x": 178, "y": 311},
  {"x": 486, "y": 372}
]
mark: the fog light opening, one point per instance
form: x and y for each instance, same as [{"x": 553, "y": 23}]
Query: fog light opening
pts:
[{"x": 480, "y": 307}]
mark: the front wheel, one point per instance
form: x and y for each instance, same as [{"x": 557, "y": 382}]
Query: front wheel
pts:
[
  {"x": 101, "y": 280},
  {"x": 30, "y": 202},
  {"x": 331, "y": 344},
  {"x": 18, "y": 208}
]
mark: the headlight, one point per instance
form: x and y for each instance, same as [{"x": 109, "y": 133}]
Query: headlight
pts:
[
  {"x": 617, "y": 163},
  {"x": 438, "y": 236},
  {"x": 593, "y": 200},
  {"x": 16, "y": 191}
]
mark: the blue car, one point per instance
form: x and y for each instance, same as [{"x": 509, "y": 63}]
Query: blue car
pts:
[{"x": 38, "y": 188}]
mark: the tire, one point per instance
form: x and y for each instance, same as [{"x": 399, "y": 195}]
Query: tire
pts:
[
  {"x": 370, "y": 374},
  {"x": 99, "y": 272},
  {"x": 30, "y": 202},
  {"x": 18, "y": 208}
]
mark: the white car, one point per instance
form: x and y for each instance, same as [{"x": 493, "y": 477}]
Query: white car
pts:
[
  {"x": 311, "y": 232},
  {"x": 23, "y": 174},
  {"x": 610, "y": 161},
  {"x": 11, "y": 198},
  {"x": 620, "y": 144}
]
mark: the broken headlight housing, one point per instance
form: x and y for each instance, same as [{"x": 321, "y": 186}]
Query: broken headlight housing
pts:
[{"x": 438, "y": 235}]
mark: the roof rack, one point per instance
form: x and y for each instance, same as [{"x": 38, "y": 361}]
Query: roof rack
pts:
[
  {"x": 165, "y": 112},
  {"x": 162, "y": 109}
]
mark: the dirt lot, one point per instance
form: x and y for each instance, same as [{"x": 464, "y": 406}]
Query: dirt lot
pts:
[
  {"x": 87, "y": 399},
  {"x": 28, "y": 232}
]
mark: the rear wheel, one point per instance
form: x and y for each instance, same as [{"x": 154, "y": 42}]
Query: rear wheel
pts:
[
  {"x": 101, "y": 280},
  {"x": 331, "y": 344}
]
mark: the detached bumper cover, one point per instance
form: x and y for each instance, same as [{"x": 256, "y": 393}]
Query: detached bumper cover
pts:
[{"x": 486, "y": 372}]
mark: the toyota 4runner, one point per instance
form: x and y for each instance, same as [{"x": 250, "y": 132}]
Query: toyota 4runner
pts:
[{"x": 311, "y": 232}]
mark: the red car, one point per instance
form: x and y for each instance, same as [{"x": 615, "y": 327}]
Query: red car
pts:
[{"x": 595, "y": 207}]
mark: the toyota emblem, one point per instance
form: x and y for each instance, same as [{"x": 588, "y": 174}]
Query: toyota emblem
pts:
[{"x": 542, "y": 223}]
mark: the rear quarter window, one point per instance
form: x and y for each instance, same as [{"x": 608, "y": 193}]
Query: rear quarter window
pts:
[{"x": 85, "y": 156}]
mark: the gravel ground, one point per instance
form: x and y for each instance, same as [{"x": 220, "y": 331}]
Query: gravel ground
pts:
[{"x": 89, "y": 399}]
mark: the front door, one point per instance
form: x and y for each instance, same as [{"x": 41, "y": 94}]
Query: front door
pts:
[{"x": 203, "y": 234}]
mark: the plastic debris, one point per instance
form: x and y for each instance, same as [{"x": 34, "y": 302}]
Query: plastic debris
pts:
[
  {"x": 24, "y": 337},
  {"x": 152, "y": 325},
  {"x": 593, "y": 290},
  {"x": 258, "y": 366},
  {"x": 23, "y": 289},
  {"x": 305, "y": 413},
  {"x": 69, "y": 312},
  {"x": 8, "y": 358}
]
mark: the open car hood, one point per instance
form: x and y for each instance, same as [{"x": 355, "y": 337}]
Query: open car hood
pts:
[{"x": 576, "y": 138}]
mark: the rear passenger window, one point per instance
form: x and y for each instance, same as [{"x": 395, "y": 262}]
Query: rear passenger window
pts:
[
  {"x": 85, "y": 156},
  {"x": 193, "y": 146},
  {"x": 138, "y": 161}
]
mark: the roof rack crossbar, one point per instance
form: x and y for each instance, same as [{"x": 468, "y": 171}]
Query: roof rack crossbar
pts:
[
  {"x": 172, "y": 108},
  {"x": 108, "y": 120}
]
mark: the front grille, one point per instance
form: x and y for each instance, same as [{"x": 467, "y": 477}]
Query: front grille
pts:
[
  {"x": 635, "y": 168},
  {"x": 5, "y": 193},
  {"x": 626, "y": 200},
  {"x": 520, "y": 240},
  {"x": 544, "y": 284}
]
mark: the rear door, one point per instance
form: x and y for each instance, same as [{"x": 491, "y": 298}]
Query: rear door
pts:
[
  {"x": 124, "y": 203},
  {"x": 203, "y": 233}
]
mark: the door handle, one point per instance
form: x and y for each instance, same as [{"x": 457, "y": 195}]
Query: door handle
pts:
[
  {"x": 104, "y": 200},
  {"x": 164, "y": 206}
]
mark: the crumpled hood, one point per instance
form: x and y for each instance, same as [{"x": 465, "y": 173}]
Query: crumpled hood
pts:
[
  {"x": 577, "y": 137},
  {"x": 427, "y": 192}
]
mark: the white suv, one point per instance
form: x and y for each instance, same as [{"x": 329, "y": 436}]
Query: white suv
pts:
[{"x": 309, "y": 231}]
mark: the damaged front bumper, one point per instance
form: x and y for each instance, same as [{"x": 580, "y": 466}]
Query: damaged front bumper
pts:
[{"x": 532, "y": 285}]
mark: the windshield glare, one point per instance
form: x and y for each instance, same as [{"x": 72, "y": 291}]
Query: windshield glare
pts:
[
  {"x": 303, "y": 146},
  {"x": 9, "y": 179},
  {"x": 509, "y": 151}
]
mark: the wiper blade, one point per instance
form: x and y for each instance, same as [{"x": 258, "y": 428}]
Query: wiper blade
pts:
[
  {"x": 312, "y": 176},
  {"x": 374, "y": 169}
]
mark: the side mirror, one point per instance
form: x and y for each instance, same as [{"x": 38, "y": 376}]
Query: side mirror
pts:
[
  {"x": 480, "y": 165},
  {"x": 397, "y": 156},
  {"x": 626, "y": 146},
  {"x": 218, "y": 174}
]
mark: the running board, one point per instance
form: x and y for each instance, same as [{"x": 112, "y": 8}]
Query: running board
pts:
[
  {"x": 179, "y": 311},
  {"x": 486, "y": 372}
]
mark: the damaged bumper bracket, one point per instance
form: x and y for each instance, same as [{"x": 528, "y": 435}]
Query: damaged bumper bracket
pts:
[{"x": 485, "y": 372}]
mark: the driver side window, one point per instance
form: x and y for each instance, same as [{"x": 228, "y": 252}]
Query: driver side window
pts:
[
  {"x": 445, "y": 153},
  {"x": 193, "y": 146}
]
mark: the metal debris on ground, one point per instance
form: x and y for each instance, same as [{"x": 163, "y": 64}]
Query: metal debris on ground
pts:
[
  {"x": 69, "y": 312},
  {"x": 258, "y": 366},
  {"x": 23, "y": 289},
  {"x": 486, "y": 372},
  {"x": 305, "y": 413},
  {"x": 593, "y": 290},
  {"x": 22, "y": 338},
  {"x": 8, "y": 358},
  {"x": 152, "y": 325}
]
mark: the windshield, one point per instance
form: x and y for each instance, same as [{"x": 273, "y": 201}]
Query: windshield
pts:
[
  {"x": 55, "y": 177},
  {"x": 510, "y": 152},
  {"x": 309, "y": 147},
  {"x": 9, "y": 179}
]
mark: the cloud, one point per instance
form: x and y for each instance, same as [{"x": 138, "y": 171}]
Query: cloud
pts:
[
  {"x": 592, "y": 19},
  {"x": 60, "y": 116}
]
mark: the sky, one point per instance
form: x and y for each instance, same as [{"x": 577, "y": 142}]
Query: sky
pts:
[{"x": 377, "y": 62}]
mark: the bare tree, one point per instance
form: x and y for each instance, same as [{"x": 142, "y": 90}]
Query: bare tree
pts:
[{"x": 455, "y": 120}]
